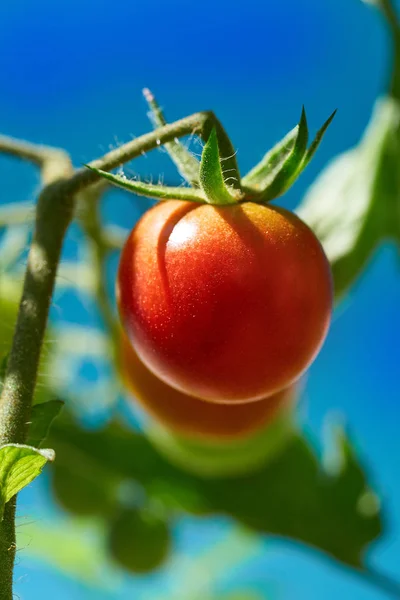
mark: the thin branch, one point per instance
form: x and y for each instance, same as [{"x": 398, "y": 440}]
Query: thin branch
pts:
[
  {"x": 188, "y": 166},
  {"x": 200, "y": 123},
  {"x": 89, "y": 217},
  {"x": 16, "y": 213},
  {"x": 34, "y": 153}
]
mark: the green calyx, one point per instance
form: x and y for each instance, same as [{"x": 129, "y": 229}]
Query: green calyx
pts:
[{"x": 215, "y": 179}]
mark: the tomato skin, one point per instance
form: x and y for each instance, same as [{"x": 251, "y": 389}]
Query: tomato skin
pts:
[
  {"x": 229, "y": 304},
  {"x": 193, "y": 417}
]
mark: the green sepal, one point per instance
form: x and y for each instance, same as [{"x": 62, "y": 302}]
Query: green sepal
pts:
[
  {"x": 282, "y": 165},
  {"x": 19, "y": 466},
  {"x": 317, "y": 140},
  {"x": 42, "y": 416},
  {"x": 282, "y": 177},
  {"x": 212, "y": 180},
  {"x": 161, "y": 192},
  {"x": 187, "y": 164},
  {"x": 271, "y": 161}
]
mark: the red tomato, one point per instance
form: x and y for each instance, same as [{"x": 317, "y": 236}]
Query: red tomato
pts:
[
  {"x": 191, "y": 416},
  {"x": 229, "y": 304}
]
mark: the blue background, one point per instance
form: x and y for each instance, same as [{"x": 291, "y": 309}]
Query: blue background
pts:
[{"x": 71, "y": 76}]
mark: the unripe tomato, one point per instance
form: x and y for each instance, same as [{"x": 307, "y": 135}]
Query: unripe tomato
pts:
[
  {"x": 229, "y": 304},
  {"x": 139, "y": 541},
  {"x": 191, "y": 416},
  {"x": 226, "y": 458}
]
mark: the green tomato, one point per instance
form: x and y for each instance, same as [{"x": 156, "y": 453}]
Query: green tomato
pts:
[
  {"x": 225, "y": 458},
  {"x": 139, "y": 541}
]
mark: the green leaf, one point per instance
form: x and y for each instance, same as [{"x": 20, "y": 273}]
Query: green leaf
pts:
[
  {"x": 85, "y": 493},
  {"x": 42, "y": 416},
  {"x": 291, "y": 496},
  {"x": 187, "y": 164},
  {"x": 19, "y": 466},
  {"x": 353, "y": 204},
  {"x": 150, "y": 190},
  {"x": 80, "y": 557},
  {"x": 211, "y": 176},
  {"x": 272, "y": 161},
  {"x": 283, "y": 175}
]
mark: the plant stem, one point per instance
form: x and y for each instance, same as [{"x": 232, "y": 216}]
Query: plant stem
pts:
[
  {"x": 55, "y": 210},
  {"x": 90, "y": 220},
  {"x": 7, "y": 550},
  {"x": 187, "y": 164},
  {"x": 19, "y": 382},
  {"x": 200, "y": 123}
]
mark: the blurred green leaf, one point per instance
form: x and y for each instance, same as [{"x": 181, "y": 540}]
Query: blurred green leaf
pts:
[
  {"x": 84, "y": 492},
  {"x": 138, "y": 540},
  {"x": 353, "y": 205},
  {"x": 80, "y": 554},
  {"x": 19, "y": 466},
  {"x": 42, "y": 416},
  {"x": 10, "y": 291},
  {"x": 292, "y": 496}
]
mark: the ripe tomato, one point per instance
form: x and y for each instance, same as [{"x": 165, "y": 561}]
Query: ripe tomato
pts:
[
  {"x": 191, "y": 416},
  {"x": 229, "y": 304}
]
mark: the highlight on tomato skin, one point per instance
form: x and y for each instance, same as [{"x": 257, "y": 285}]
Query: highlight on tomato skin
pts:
[
  {"x": 229, "y": 304},
  {"x": 193, "y": 417}
]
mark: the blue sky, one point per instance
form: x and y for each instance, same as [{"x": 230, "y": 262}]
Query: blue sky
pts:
[{"x": 72, "y": 75}]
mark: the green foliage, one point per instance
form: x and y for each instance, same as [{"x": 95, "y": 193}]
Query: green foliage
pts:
[
  {"x": 353, "y": 205},
  {"x": 42, "y": 416},
  {"x": 138, "y": 540},
  {"x": 19, "y": 466},
  {"x": 72, "y": 547},
  {"x": 83, "y": 493},
  {"x": 291, "y": 496},
  {"x": 10, "y": 290}
]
